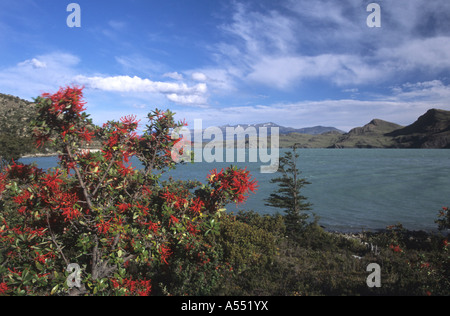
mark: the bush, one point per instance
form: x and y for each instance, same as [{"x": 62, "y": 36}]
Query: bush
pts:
[
  {"x": 127, "y": 232},
  {"x": 318, "y": 262}
]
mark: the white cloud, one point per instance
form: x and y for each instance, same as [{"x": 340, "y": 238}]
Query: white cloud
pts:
[
  {"x": 43, "y": 73},
  {"x": 220, "y": 81},
  {"x": 198, "y": 76},
  {"x": 197, "y": 100},
  {"x": 403, "y": 106},
  {"x": 35, "y": 63},
  {"x": 173, "y": 75},
  {"x": 47, "y": 73},
  {"x": 434, "y": 92},
  {"x": 330, "y": 40},
  {"x": 177, "y": 92},
  {"x": 429, "y": 54},
  {"x": 284, "y": 72}
]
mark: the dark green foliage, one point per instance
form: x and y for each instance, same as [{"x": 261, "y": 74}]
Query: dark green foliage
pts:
[
  {"x": 288, "y": 197},
  {"x": 12, "y": 147}
]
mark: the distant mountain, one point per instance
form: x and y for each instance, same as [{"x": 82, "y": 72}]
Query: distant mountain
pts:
[
  {"x": 372, "y": 135},
  {"x": 431, "y": 130},
  {"x": 316, "y": 130}
]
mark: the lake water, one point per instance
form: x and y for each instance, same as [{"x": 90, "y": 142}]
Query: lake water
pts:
[{"x": 352, "y": 189}]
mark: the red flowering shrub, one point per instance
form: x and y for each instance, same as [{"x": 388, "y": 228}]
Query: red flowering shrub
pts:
[{"x": 129, "y": 232}]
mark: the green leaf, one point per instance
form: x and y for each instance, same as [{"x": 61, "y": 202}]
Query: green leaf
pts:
[
  {"x": 55, "y": 288},
  {"x": 39, "y": 266}
]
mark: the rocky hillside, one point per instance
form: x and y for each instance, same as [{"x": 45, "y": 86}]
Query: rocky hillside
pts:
[
  {"x": 15, "y": 115},
  {"x": 15, "y": 133},
  {"x": 372, "y": 135},
  {"x": 431, "y": 130}
]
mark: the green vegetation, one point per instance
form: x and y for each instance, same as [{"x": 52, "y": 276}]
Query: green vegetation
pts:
[
  {"x": 288, "y": 197},
  {"x": 15, "y": 133},
  {"x": 130, "y": 233},
  {"x": 309, "y": 141},
  {"x": 266, "y": 262}
]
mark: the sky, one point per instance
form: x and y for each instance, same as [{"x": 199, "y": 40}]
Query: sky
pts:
[{"x": 297, "y": 63}]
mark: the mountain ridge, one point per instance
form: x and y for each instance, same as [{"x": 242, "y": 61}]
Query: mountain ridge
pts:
[
  {"x": 431, "y": 130},
  {"x": 314, "y": 130}
]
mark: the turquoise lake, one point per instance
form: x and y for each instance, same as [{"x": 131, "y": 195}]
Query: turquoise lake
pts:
[{"x": 351, "y": 189}]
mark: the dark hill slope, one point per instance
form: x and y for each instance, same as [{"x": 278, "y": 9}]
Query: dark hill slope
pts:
[
  {"x": 431, "y": 130},
  {"x": 372, "y": 135}
]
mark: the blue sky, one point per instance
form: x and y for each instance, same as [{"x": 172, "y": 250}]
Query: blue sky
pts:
[{"x": 297, "y": 63}]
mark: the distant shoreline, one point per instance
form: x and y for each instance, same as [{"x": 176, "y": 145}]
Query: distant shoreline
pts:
[
  {"x": 54, "y": 154},
  {"x": 40, "y": 155}
]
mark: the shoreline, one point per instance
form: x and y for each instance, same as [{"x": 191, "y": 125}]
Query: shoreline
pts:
[{"x": 56, "y": 154}]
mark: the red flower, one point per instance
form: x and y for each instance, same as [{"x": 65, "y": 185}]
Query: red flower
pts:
[
  {"x": 144, "y": 209},
  {"x": 396, "y": 248},
  {"x": 130, "y": 122},
  {"x": 22, "y": 198},
  {"x": 67, "y": 100},
  {"x": 237, "y": 183},
  {"x": 2, "y": 182},
  {"x": 153, "y": 227},
  {"x": 124, "y": 171},
  {"x": 146, "y": 191},
  {"x": 173, "y": 220},
  {"x": 43, "y": 258},
  {"x": 192, "y": 229},
  {"x": 23, "y": 172},
  {"x": 425, "y": 265},
  {"x": 123, "y": 207},
  {"x": 52, "y": 182},
  {"x": 3, "y": 288},
  {"x": 165, "y": 253},
  {"x": 139, "y": 287},
  {"x": 103, "y": 227},
  {"x": 169, "y": 196},
  {"x": 197, "y": 206},
  {"x": 86, "y": 135}
]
